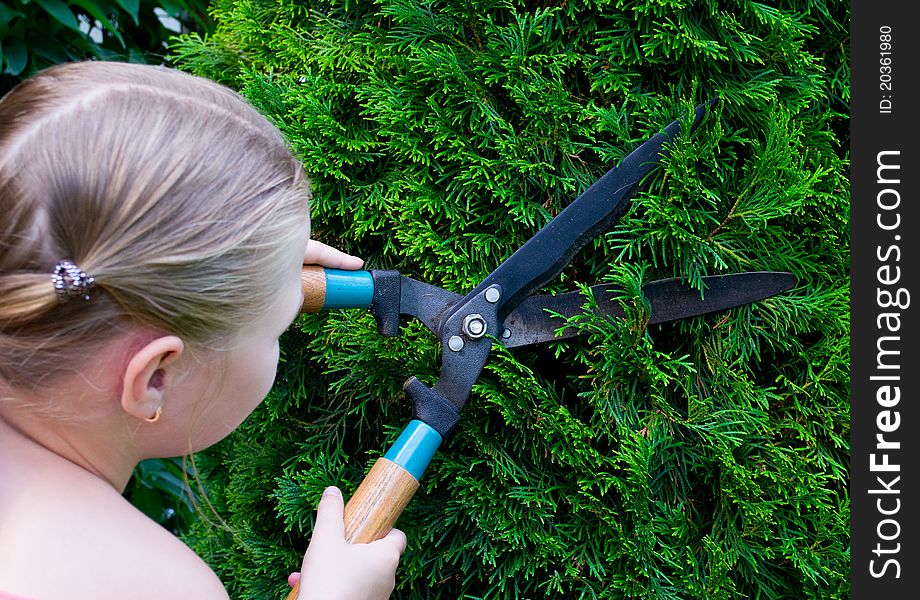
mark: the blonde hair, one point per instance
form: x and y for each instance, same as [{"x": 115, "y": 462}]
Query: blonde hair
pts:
[{"x": 172, "y": 191}]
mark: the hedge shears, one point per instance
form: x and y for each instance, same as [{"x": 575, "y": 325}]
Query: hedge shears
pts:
[{"x": 503, "y": 310}]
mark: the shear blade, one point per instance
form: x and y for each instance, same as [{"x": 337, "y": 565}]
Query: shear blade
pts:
[
  {"x": 546, "y": 254},
  {"x": 534, "y": 320}
]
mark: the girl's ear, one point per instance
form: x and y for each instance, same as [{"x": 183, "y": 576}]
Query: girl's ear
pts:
[{"x": 147, "y": 374}]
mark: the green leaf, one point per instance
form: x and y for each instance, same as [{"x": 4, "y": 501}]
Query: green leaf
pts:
[
  {"x": 131, "y": 7},
  {"x": 149, "y": 502},
  {"x": 173, "y": 7},
  {"x": 60, "y": 11},
  {"x": 48, "y": 48},
  {"x": 16, "y": 56},
  {"x": 93, "y": 9},
  {"x": 137, "y": 57},
  {"x": 7, "y": 14}
]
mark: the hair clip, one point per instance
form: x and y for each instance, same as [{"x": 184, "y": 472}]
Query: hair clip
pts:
[{"x": 70, "y": 281}]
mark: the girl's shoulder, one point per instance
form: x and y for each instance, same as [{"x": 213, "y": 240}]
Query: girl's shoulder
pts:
[
  {"x": 93, "y": 544},
  {"x": 6, "y": 596}
]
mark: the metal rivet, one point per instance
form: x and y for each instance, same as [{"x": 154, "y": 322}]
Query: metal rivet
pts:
[
  {"x": 455, "y": 343},
  {"x": 474, "y": 325},
  {"x": 506, "y": 334},
  {"x": 493, "y": 295}
]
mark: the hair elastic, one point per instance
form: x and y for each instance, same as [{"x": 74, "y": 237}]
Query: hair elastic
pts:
[{"x": 69, "y": 281}]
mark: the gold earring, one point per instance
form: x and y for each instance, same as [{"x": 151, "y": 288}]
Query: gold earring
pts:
[{"x": 156, "y": 415}]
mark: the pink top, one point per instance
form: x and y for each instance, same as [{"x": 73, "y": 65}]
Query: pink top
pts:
[{"x": 7, "y": 596}]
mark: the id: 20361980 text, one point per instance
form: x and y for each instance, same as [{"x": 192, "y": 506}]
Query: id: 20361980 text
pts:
[{"x": 885, "y": 78}]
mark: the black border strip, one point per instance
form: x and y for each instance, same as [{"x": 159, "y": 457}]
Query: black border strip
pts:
[{"x": 884, "y": 267}]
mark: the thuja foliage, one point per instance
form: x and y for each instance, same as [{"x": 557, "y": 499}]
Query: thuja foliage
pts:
[{"x": 705, "y": 458}]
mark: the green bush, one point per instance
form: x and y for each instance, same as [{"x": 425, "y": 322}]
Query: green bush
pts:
[{"x": 705, "y": 458}]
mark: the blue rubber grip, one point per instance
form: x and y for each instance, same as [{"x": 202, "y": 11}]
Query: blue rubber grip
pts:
[
  {"x": 414, "y": 448},
  {"x": 348, "y": 289}
]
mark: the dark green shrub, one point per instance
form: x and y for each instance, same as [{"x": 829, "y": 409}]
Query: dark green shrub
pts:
[
  {"x": 161, "y": 489},
  {"x": 35, "y": 34},
  {"x": 699, "y": 459}
]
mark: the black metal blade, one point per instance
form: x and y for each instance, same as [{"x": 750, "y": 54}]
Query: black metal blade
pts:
[
  {"x": 544, "y": 256},
  {"x": 670, "y": 299}
]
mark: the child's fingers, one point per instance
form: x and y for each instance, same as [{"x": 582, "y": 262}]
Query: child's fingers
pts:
[
  {"x": 330, "y": 515},
  {"x": 293, "y": 579},
  {"x": 396, "y": 539},
  {"x": 318, "y": 253}
]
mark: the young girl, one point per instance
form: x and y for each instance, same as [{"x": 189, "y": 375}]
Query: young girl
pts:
[{"x": 152, "y": 230}]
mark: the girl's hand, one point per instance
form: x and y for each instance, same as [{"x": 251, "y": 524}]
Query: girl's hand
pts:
[
  {"x": 333, "y": 569},
  {"x": 320, "y": 254}
]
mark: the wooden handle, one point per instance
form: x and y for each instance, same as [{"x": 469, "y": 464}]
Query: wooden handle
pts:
[
  {"x": 388, "y": 486},
  {"x": 313, "y": 280},
  {"x": 378, "y": 502},
  {"x": 376, "y": 505}
]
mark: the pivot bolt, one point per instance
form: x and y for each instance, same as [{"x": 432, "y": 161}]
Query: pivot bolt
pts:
[
  {"x": 474, "y": 326},
  {"x": 455, "y": 343},
  {"x": 493, "y": 295}
]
